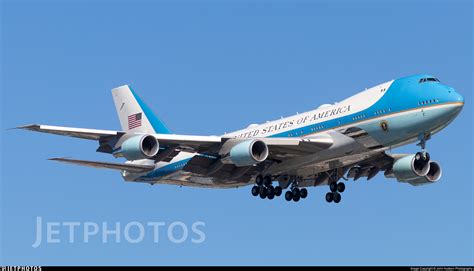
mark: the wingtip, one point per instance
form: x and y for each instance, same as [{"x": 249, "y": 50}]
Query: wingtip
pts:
[
  {"x": 58, "y": 158},
  {"x": 27, "y": 127},
  {"x": 24, "y": 127}
]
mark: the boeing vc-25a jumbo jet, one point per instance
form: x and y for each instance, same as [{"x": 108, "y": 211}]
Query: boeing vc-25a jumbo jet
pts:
[{"x": 337, "y": 141}]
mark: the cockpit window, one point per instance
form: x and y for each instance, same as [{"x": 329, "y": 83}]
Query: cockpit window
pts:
[{"x": 428, "y": 79}]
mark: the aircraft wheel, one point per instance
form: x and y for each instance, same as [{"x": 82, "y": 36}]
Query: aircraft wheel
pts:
[
  {"x": 341, "y": 187},
  {"x": 278, "y": 191},
  {"x": 271, "y": 195},
  {"x": 263, "y": 193},
  {"x": 337, "y": 197},
  {"x": 259, "y": 180},
  {"x": 333, "y": 187},
  {"x": 255, "y": 191},
  {"x": 288, "y": 195},
  {"x": 270, "y": 190},
  {"x": 296, "y": 192},
  {"x": 267, "y": 180},
  {"x": 303, "y": 193},
  {"x": 296, "y": 197},
  {"x": 329, "y": 197}
]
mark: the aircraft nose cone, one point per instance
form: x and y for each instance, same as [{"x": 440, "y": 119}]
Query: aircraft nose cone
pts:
[
  {"x": 455, "y": 97},
  {"x": 459, "y": 98},
  {"x": 457, "y": 103}
]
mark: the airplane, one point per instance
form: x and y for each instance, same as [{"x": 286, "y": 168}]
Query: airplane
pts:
[{"x": 350, "y": 139}]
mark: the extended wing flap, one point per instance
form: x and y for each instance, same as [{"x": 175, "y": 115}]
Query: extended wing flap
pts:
[{"x": 117, "y": 166}]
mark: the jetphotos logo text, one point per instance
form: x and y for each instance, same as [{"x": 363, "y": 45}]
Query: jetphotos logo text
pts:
[{"x": 134, "y": 232}]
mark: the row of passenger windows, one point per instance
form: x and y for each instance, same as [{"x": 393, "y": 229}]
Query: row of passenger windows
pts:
[
  {"x": 358, "y": 117},
  {"x": 180, "y": 165},
  {"x": 382, "y": 111},
  {"x": 295, "y": 133},
  {"x": 429, "y": 79},
  {"x": 316, "y": 128},
  {"x": 428, "y": 102}
]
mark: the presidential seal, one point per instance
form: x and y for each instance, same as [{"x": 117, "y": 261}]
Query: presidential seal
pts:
[{"x": 384, "y": 125}]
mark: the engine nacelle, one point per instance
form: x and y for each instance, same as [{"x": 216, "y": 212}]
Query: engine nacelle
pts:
[
  {"x": 411, "y": 167},
  {"x": 248, "y": 153},
  {"x": 139, "y": 147},
  {"x": 433, "y": 175}
]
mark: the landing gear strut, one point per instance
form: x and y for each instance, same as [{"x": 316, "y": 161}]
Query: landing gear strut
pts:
[
  {"x": 424, "y": 154},
  {"x": 263, "y": 187}
]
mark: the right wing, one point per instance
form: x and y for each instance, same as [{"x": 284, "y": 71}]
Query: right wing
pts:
[{"x": 280, "y": 148}]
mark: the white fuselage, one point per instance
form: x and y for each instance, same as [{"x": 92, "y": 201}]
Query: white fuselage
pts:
[{"x": 365, "y": 110}]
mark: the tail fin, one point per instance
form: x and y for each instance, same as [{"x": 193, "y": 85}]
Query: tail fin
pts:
[{"x": 134, "y": 114}]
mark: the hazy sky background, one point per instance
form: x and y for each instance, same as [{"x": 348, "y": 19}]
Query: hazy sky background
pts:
[{"x": 209, "y": 67}]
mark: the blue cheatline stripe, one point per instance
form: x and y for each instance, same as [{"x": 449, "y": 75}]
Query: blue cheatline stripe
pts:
[
  {"x": 170, "y": 168},
  {"x": 158, "y": 125}
]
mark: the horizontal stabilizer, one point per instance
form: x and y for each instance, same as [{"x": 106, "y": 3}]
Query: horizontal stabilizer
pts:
[{"x": 117, "y": 166}]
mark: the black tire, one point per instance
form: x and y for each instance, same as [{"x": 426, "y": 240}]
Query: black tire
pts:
[
  {"x": 267, "y": 180},
  {"x": 296, "y": 193},
  {"x": 422, "y": 156},
  {"x": 270, "y": 190},
  {"x": 259, "y": 180},
  {"x": 288, "y": 195},
  {"x": 296, "y": 197},
  {"x": 303, "y": 193},
  {"x": 333, "y": 187},
  {"x": 341, "y": 187},
  {"x": 255, "y": 191},
  {"x": 263, "y": 193},
  {"x": 337, "y": 197},
  {"x": 329, "y": 197},
  {"x": 278, "y": 191},
  {"x": 418, "y": 156}
]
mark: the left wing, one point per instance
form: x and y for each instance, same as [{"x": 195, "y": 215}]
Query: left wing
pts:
[{"x": 117, "y": 166}]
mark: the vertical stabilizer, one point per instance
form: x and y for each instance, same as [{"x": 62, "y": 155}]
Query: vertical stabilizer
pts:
[{"x": 134, "y": 114}]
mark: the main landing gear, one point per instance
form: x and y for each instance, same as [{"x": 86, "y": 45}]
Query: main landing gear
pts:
[
  {"x": 263, "y": 187},
  {"x": 296, "y": 193},
  {"x": 336, "y": 190}
]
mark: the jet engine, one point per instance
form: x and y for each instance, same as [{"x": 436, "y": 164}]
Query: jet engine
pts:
[
  {"x": 416, "y": 169},
  {"x": 139, "y": 147},
  {"x": 433, "y": 175},
  {"x": 249, "y": 152}
]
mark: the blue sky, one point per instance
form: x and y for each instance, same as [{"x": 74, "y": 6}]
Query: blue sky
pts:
[{"x": 209, "y": 67}]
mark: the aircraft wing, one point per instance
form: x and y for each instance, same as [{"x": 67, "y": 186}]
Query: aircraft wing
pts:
[
  {"x": 91, "y": 134},
  {"x": 278, "y": 147},
  {"x": 117, "y": 166}
]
